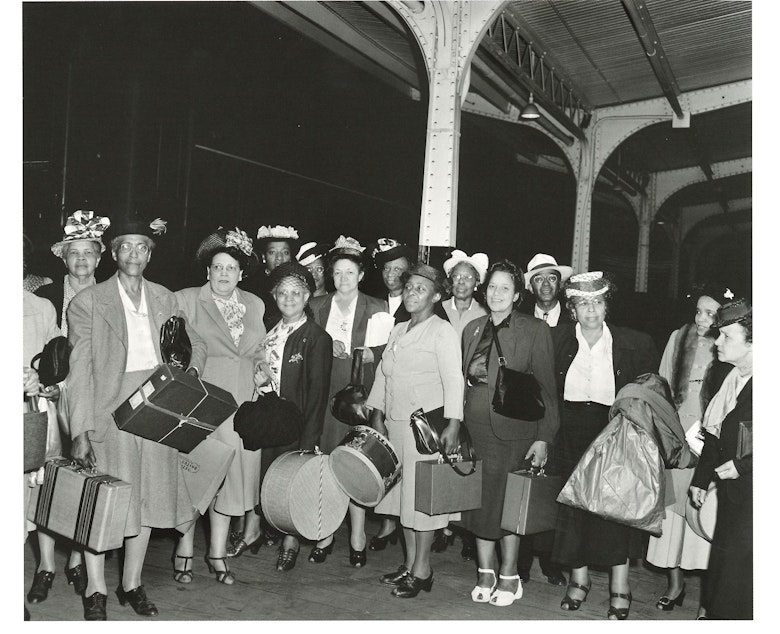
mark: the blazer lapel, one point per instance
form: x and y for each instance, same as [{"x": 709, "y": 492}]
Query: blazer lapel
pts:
[
  {"x": 210, "y": 307},
  {"x": 110, "y": 306},
  {"x": 358, "y": 323},
  {"x": 159, "y": 313},
  {"x": 472, "y": 341}
]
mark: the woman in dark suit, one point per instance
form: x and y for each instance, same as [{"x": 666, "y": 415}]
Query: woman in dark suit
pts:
[
  {"x": 503, "y": 443},
  {"x": 727, "y": 459},
  {"x": 230, "y": 321},
  {"x": 593, "y": 361},
  {"x": 296, "y": 365},
  {"x": 114, "y": 328},
  {"x": 344, "y": 315}
]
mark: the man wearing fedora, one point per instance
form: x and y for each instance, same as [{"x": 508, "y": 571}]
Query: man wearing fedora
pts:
[{"x": 543, "y": 281}]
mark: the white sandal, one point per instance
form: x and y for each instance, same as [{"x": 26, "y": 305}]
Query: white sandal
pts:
[
  {"x": 480, "y": 594},
  {"x": 502, "y": 598}
]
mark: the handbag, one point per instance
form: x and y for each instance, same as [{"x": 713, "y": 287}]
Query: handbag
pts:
[
  {"x": 427, "y": 428},
  {"x": 348, "y": 405},
  {"x": 53, "y": 361},
  {"x": 518, "y": 394},
  {"x": 744, "y": 439},
  {"x": 270, "y": 421},
  {"x": 175, "y": 346},
  {"x": 35, "y": 434}
]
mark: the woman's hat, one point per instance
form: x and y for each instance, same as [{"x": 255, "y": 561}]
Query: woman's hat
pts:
[
  {"x": 717, "y": 291},
  {"x": 292, "y": 269},
  {"x": 135, "y": 224},
  {"x": 82, "y": 225},
  {"x": 542, "y": 262},
  {"x": 732, "y": 313},
  {"x": 429, "y": 273},
  {"x": 279, "y": 233},
  {"x": 347, "y": 246},
  {"x": 312, "y": 251},
  {"x": 227, "y": 238},
  {"x": 387, "y": 250},
  {"x": 479, "y": 261},
  {"x": 591, "y": 284}
]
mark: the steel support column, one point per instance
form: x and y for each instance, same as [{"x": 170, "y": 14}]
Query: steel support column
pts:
[
  {"x": 448, "y": 34},
  {"x": 647, "y": 210}
]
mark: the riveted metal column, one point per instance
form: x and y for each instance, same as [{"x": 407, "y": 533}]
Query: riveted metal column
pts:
[
  {"x": 646, "y": 214},
  {"x": 448, "y": 34}
]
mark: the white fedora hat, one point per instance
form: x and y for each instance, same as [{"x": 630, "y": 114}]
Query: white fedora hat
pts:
[{"x": 543, "y": 262}]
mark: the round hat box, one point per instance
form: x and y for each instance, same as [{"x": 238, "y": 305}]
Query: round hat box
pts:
[{"x": 702, "y": 520}]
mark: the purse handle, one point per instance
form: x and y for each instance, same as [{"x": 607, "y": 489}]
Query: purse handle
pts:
[
  {"x": 465, "y": 439},
  {"x": 357, "y": 367},
  {"x": 501, "y": 358}
]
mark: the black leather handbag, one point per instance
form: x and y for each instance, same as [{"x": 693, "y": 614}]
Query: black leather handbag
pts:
[
  {"x": 175, "y": 346},
  {"x": 348, "y": 405},
  {"x": 270, "y": 421},
  {"x": 427, "y": 428},
  {"x": 518, "y": 394},
  {"x": 53, "y": 361}
]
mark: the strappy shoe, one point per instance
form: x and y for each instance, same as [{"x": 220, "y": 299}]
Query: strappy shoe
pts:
[
  {"x": 183, "y": 575},
  {"x": 503, "y": 598},
  {"x": 223, "y": 576},
  {"x": 286, "y": 560},
  {"x": 241, "y": 546},
  {"x": 481, "y": 594},
  {"x": 569, "y": 603},
  {"x": 667, "y": 605},
  {"x": 620, "y": 614}
]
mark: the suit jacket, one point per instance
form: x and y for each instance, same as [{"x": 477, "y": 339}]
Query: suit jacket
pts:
[
  {"x": 305, "y": 377},
  {"x": 527, "y": 347},
  {"x": 55, "y": 293},
  {"x": 227, "y": 366},
  {"x": 98, "y": 333},
  {"x": 717, "y": 451},
  {"x": 529, "y": 303},
  {"x": 633, "y": 353}
]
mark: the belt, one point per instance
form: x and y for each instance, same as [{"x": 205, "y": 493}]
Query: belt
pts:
[{"x": 583, "y": 405}]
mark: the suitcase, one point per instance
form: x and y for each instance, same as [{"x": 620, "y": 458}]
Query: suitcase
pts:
[
  {"x": 438, "y": 489},
  {"x": 84, "y": 505},
  {"x": 529, "y": 502}
]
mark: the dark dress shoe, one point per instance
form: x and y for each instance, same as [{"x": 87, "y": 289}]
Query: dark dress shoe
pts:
[
  {"x": 441, "y": 541},
  {"x": 556, "y": 579},
  {"x": 77, "y": 577},
  {"x": 380, "y": 543},
  {"x": 319, "y": 555},
  {"x": 525, "y": 575},
  {"x": 411, "y": 586},
  {"x": 40, "y": 586},
  {"x": 395, "y": 578},
  {"x": 94, "y": 607},
  {"x": 357, "y": 558},
  {"x": 241, "y": 546},
  {"x": 137, "y": 599},
  {"x": 286, "y": 560}
]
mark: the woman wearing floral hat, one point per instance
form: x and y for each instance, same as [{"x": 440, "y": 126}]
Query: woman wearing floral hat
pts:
[{"x": 230, "y": 321}]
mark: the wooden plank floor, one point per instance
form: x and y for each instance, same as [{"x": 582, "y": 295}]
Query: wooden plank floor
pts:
[{"x": 336, "y": 591}]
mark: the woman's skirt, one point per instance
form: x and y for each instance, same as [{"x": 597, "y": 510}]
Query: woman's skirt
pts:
[
  {"x": 399, "y": 500},
  {"x": 333, "y": 430},
  {"x": 499, "y": 457},
  {"x": 159, "y": 497},
  {"x": 582, "y": 538},
  {"x": 240, "y": 491}
]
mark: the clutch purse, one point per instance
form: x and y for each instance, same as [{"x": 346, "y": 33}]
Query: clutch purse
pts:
[
  {"x": 53, "y": 361},
  {"x": 518, "y": 394},
  {"x": 745, "y": 439},
  {"x": 270, "y": 421},
  {"x": 348, "y": 405},
  {"x": 427, "y": 428}
]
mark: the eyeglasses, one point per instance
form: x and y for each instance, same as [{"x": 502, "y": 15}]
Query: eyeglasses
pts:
[
  {"x": 230, "y": 268},
  {"x": 315, "y": 269},
  {"x": 295, "y": 293},
  {"x": 462, "y": 277},
  {"x": 138, "y": 247},
  {"x": 538, "y": 279},
  {"x": 590, "y": 303}
]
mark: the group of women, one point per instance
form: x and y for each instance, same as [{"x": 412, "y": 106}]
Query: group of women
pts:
[{"x": 267, "y": 323}]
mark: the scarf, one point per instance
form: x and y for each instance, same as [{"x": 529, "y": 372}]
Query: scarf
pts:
[{"x": 233, "y": 313}]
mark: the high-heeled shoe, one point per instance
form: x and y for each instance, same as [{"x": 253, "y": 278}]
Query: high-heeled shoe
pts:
[
  {"x": 182, "y": 575},
  {"x": 137, "y": 599},
  {"x": 241, "y": 546},
  {"x": 286, "y": 560},
  {"x": 667, "y": 605},
  {"x": 411, "y": 586},
  {"x": 441, "y": 541},
  {"x": 42, "y": 582},
  {"x": 569, "y": 603},
  {"x": 94, "y": 607},
  {"x": 357, "y": 558},
  {"x": 223, "y": 576},
  {"x": 620, "y": 614},
  {"x": 395, "y": 578},
  {"x": 77, "y": 577},
  {"x": 481, "y": 594},
  {"x": 503, "y": 598},
  {"x": 319, "y": 555},
  {"x": 378, "y": 542}
]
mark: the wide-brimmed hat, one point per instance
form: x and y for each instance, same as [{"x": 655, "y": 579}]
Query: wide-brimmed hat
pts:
[
  {"x": 732, "y": 313},
  {"x": 479, "y": 261},
  {"x": 82, "y": 225},
  {"x": 312, "y": 251},
  {"x": 428, "y": 272},
  {"x": 591, "y": 284},
  {"x": 278, "y": 233},
  {"x": 292, "y": 269},
  {"x": 387, "y": 249},
  {"x": 543, "y": 262},
  {"x": 234, "y": 239}
]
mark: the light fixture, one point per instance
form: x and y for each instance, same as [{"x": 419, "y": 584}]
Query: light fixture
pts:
[{"x": 530, "y": 111}]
